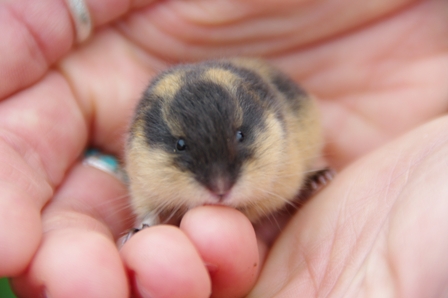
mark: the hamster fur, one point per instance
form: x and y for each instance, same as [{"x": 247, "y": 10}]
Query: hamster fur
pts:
[{"x": 233, "y": 132}]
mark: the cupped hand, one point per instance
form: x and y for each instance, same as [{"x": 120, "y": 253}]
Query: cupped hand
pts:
[
  {"x": 378, "y": 71},
  {"x": 376, "y": 231}
]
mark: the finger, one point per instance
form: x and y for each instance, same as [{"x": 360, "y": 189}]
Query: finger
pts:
[
  {"x": 164, "y": 263},
  {"x": 226, "y": 242},
  {"x": 37, "y": 33},
  {"x": 382, "y": 99},
  {"x": 38, "y": 142},
  {"x": 80, "y": 229},
  {"x": 234, "y": 28},
  {"x": 374, "y": 232},
  {"x": 107, "y": 80}
]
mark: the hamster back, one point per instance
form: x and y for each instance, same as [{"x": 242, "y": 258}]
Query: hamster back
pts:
[{"x": 233, "y": 132}]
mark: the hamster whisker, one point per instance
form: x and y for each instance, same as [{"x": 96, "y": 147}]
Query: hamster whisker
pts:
[
  {"x": 265, "y": 191},
  {"x": 122, "y": 201}
]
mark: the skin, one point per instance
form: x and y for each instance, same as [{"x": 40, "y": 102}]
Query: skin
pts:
[{"x": 379, "y": 72}]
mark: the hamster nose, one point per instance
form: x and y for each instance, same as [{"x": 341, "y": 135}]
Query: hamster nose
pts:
[{"x": 220, "y": 187}]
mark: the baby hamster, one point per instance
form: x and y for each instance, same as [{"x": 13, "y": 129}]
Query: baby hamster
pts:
[{"x": 235, "y": 132}]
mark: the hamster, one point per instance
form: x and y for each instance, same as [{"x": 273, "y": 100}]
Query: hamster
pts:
[{"x": 235, "y": 132}]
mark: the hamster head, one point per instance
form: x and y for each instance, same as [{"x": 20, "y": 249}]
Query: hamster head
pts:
[{"x": 211, "y": 133}]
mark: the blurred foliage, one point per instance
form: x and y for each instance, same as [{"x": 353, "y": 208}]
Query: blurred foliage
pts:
[{"x": 5, "y": 291}]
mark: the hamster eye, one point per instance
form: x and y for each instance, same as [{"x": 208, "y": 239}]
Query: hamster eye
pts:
[
  {"x": 239, "y": 136},
  {"x": 181, "y": 145}
]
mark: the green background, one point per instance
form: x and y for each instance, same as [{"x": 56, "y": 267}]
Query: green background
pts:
[{"x": 5, "y": 291}]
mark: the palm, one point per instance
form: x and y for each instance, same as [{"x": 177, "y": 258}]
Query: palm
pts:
[{"x": 375, "y": 231}]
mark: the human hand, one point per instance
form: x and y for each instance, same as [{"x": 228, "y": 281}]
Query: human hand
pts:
[
  {"x": 376, "y": 231},
  {"x": 127, "y": 55}
]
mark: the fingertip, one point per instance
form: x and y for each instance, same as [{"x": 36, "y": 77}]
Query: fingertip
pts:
[
  {"x": 164, "y": 263},
  {"x": 79, "y": 263},
  {"x": 226, "y": 241}
]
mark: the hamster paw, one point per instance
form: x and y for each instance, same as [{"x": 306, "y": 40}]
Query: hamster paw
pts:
[
  {"x": 319, "y": 179},
  {"x": 131, "y": 233}
]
